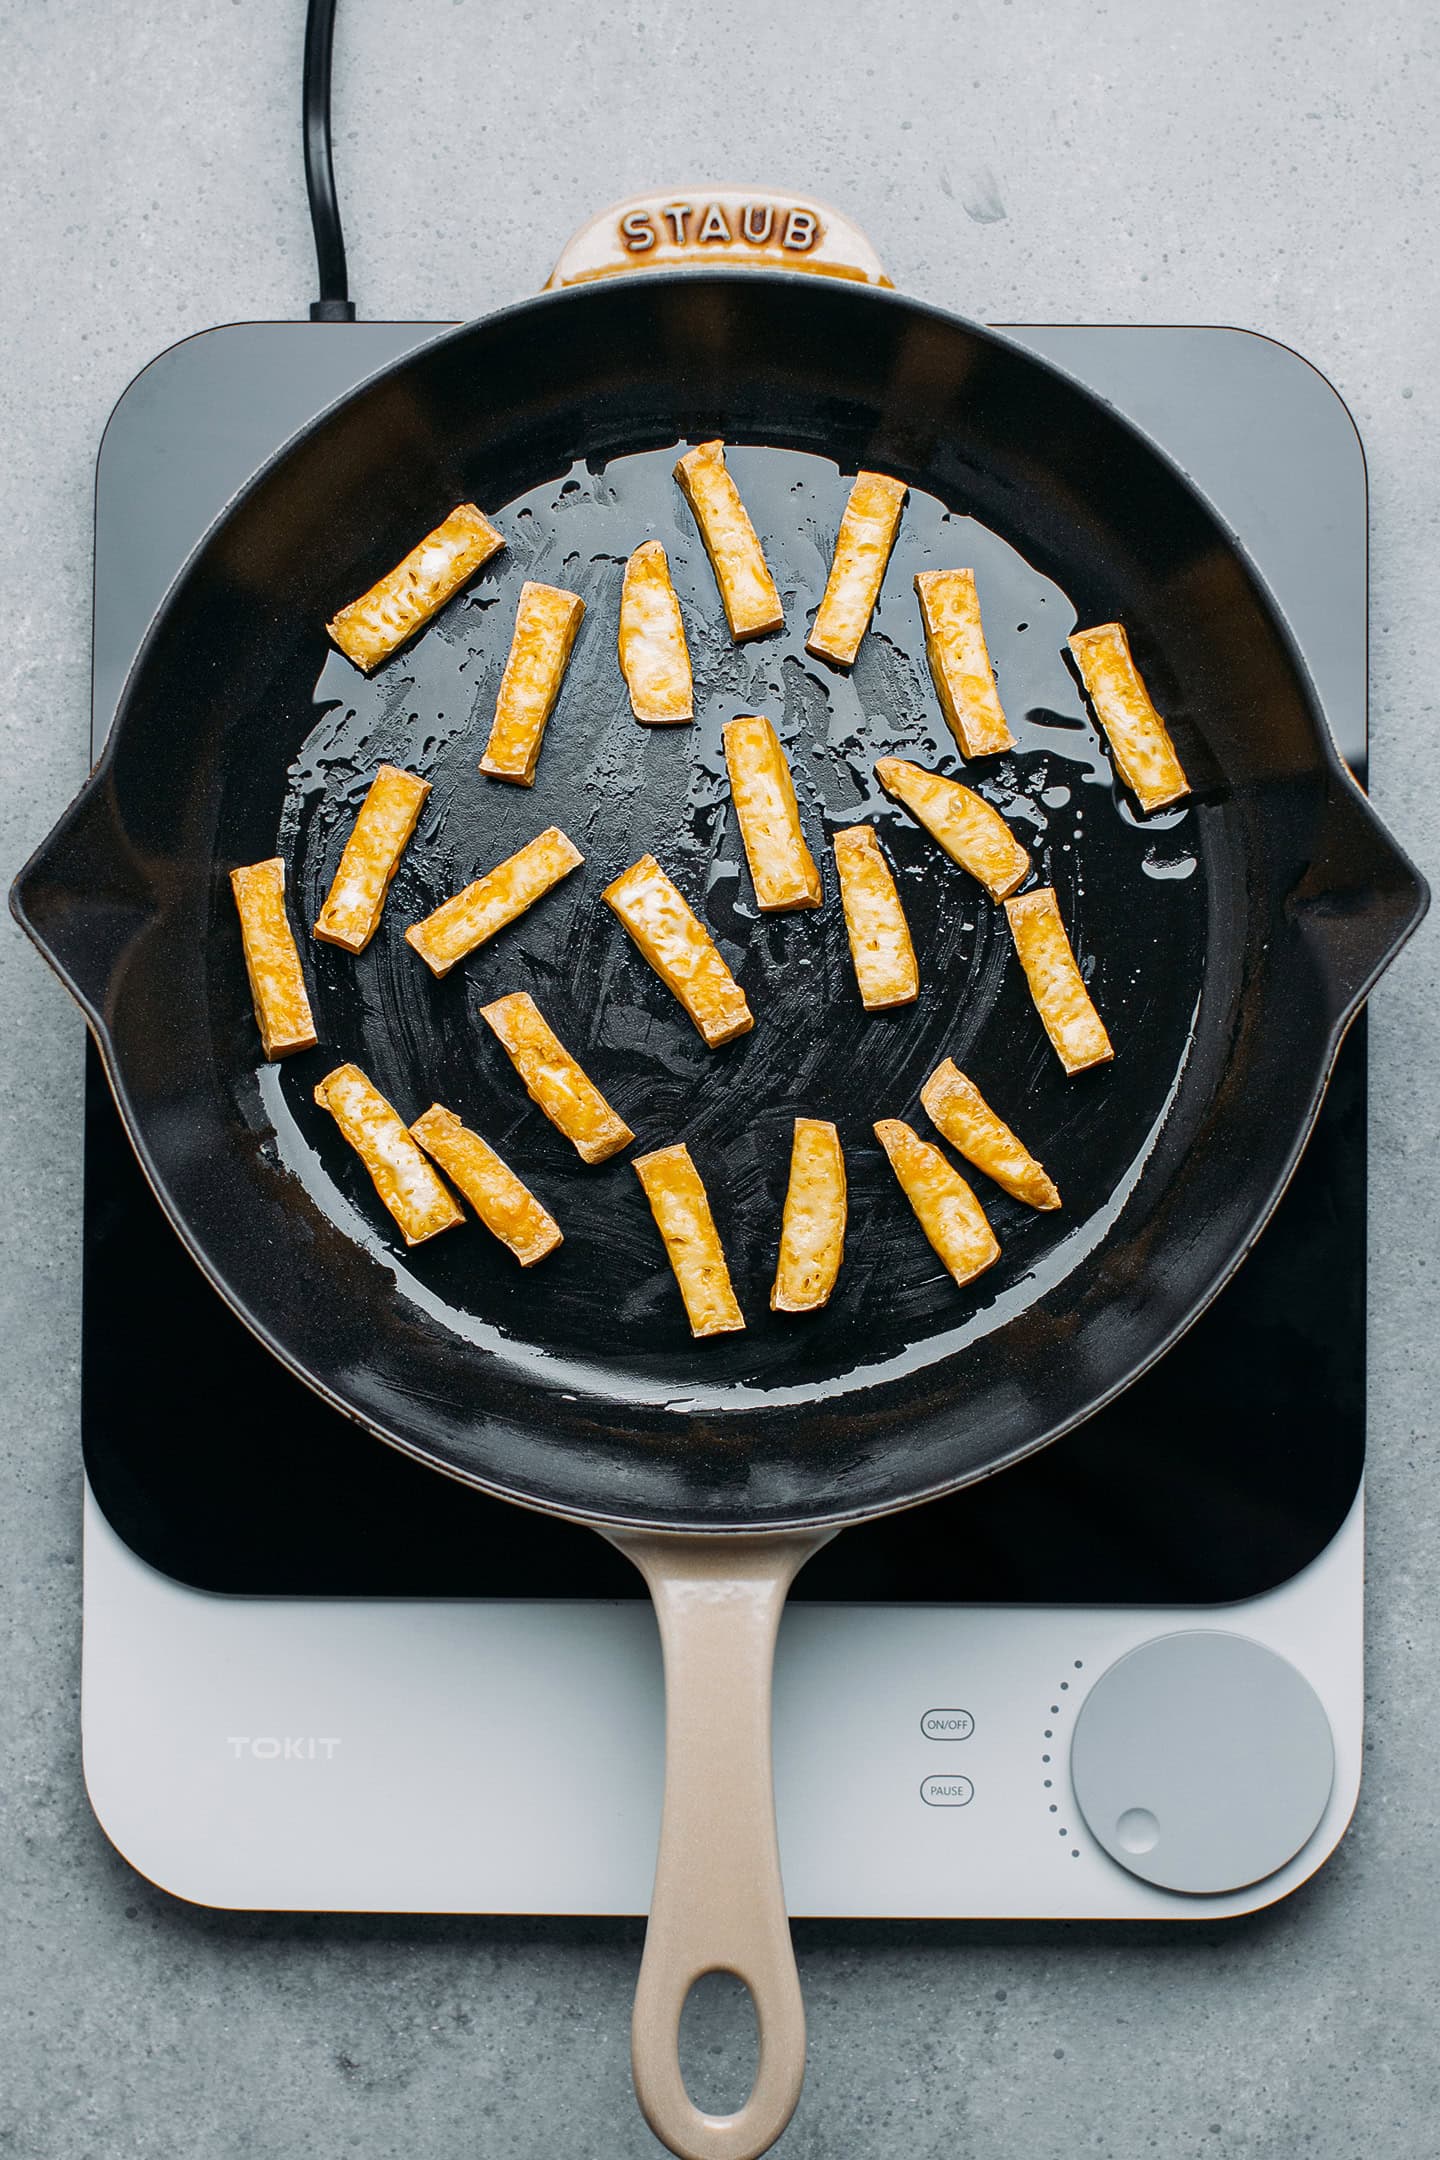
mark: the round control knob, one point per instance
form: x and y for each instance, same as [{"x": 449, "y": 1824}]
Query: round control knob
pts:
[{"x": 1202, "y": 1762}]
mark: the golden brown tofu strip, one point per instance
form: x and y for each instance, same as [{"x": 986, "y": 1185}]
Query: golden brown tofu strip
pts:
[
  {"x": 680, "y": 949},
  {"x": 459, "y": 925},
  {"x": 379, "y": 622},
  {"x": 1056, "y": 985},
  {"x": 971, "y": 833},
  {"x": 553, "y": 1079},
  {"x": 420, "y": 1203},
  {"x": 379, "y": 837},
  {"x": 857, "y": 569},
  {"x": 1137, "y": 735},
  {"x": 960, "y": 661},
  {"x": 752, "y": 605},
  {"x": 812, "y": 1231},
  {"x": 506, "y": 1206},
  {"x": 277, "y": 982},
  {"x": 781, "y": 865},
  {"x": 654, "y": 657},
  {"x": 682, "y": 1215},
  {"x": 545, "y": 625},
  {"x": 875, "y": 922},
  {"x": 945, "y": 1207},
  {"x": 964, "y": 1118}
]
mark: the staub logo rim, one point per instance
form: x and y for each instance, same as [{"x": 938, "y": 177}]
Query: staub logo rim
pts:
[{"x": 795, "y": 227}]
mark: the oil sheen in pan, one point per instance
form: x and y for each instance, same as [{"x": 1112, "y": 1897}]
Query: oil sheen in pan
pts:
[{"x": 1131, "y": 892}]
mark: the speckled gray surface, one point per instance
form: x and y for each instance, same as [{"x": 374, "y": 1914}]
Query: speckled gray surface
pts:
[{"x": 1271, "y": 166}]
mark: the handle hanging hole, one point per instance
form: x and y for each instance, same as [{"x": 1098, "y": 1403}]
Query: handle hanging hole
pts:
[{"x": 719, "y": 2043}]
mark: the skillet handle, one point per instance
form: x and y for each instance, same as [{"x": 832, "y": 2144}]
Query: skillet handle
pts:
[
  {"x": 718, "y": 1903},
  {"x": 718, "y": 228}
]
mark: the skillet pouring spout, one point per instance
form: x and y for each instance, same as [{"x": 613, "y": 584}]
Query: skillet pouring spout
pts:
[
  {"x": 1357, "y": 901},
  {"x": 89, "y": 894}
]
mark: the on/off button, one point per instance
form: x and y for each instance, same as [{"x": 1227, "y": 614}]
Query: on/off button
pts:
[{"x": 947, "y": 1724}]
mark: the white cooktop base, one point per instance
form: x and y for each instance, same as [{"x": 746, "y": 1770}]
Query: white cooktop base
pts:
[{"x": 433, "y": 1756}]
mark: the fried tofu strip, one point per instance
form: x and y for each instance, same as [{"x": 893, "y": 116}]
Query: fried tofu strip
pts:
[
  {"x": 812, "y": 1230},
  {"x": 960, "y": 661},
  {"x": 964, "y": 1118},
  {"x": 857, "y": 568},
  {"x": 781, "y": 865},
  {"x": 545, "y": 625},
  {"x": 1061, "y": 999},
  {"x": 277, "y": 983},
  {"x": 1136, "y": 733},
  {"x": 379, "y": 837},
  {"x": 682, "y": 1215},
  {"x": 379, "y": 622},
  {"x": 459, "y": 925},
  {"x": 654, "y": 657},
  {"x": 680, "y": 949},
  {"x": 419, "y": 1201},
  {"x": 945, "y": 1207},
  {"x": 506, "y": 1206},
  {"x": 880, "y": 947},
  {"x": 752, "y": 604},
  {"x": 971, "y": 833},
  {"x": 553, "y": 1079}
]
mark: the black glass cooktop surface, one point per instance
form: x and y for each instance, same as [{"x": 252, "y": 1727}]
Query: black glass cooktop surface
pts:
[{"x": 1217, "y": 1476}]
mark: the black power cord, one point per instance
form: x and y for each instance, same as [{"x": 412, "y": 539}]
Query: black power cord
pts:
[{"x": 334, "y": 303}]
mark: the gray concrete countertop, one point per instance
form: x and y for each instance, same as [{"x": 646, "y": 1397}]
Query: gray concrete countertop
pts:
[{"x": 1029, "y": 160}]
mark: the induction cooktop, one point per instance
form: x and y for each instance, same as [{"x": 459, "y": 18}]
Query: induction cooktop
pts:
[{"x": 243, "y": 1534}]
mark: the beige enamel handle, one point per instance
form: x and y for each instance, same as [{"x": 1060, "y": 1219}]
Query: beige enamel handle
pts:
[
  {"x": 752, "y": 228},
  {"x": 718, "y": 1903}
]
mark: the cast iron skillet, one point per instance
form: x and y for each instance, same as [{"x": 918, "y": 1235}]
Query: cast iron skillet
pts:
[{"x": 577, "y": 1390}]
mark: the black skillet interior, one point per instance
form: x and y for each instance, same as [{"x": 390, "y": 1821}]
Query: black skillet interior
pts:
[{"x": 1226, "y": 942}]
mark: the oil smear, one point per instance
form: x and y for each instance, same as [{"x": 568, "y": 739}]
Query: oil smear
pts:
[{"x": 603, "y": 1310}]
